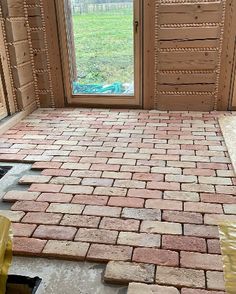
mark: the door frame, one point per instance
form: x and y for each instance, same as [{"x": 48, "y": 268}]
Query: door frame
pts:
[{"x": 102, "y": 100}]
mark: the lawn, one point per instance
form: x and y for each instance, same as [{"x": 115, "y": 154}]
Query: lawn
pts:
[{"x": 104, "y": 46}]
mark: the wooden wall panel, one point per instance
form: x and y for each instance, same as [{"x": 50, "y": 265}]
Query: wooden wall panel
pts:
[{"x": 188, "y": 48}]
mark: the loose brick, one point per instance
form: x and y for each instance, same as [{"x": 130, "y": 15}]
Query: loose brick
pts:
[
  {"x": 156, "y": 256},
  {"x": 96, "y": 236},
  {"x": 183, "y": 243},
  {"x": 76, "y": 189},
  {"x": 90, "y": 199},
  {"x": 28, "y": 246},
  {"x": 180, "y": 277},
  {"x": 129, "y": 184},
  {"x": 80, "y": 221},
  {"x": 216, "y": 219},
  {"x": 102, "y": 211},
  {"x": 229, "y": 208},
  {"x": 57, "y": 172},
  {"x": 138, "y": 288},
  {"x": 30, "y": 206},
  {"x": 101, "y": 252},
  {"x": 119, "y": 224},
  {"x": 163, "y": 186},
  {"x": 164, "y": 204},
  {"x": 182, "y": 217},
  {"x": 139, "y": 240},
  {"x": 198, "y": 291},
  {"x": 215, "y": 280},
  {"x": 198, "y": 188},
  {"x": 201, "y": 261},
  {"x": 218, "y": 198},
  {"x": 117, "y": 175},
  {"x": 50, "y": 188},
  {"x": 54, "y": 232},
  {"x": 110, "y": 191},
  {"x": 13, "y": 196},
  {"x": 166, "y": 170},
  {"x": 42, "y": 218},
  {"x": 144, "y": 193},
  {"x": 65, "y": 181},
  {"x": 105, "y": 167},
  {"x": 126, "y": 202},
  {"x": 161, "y": 227},
  {"x": 201, "y": 231},
  {"x": 75, "y": 166},
  {"x": 22, "y": 230},
  {"x": 214, "y": 180},
  {"x": 14, "y": 216},
  {"x": 199, "y": 172},
  {"x": 213, "y": 246},
  {"x": 29, "y": 179},
  {"x": 125, "y": 272},
  {"x": 97, "y": 182},
  {"x": 65, "y": 208},
  {"x": 55, "y": 197},
  {"x": 182, "y": 196},
  {"x": 66, "y": 249},
  {"x": 148, "y": 177},
  {"x": 141, "y": 213},
  {"x": 203, "y": 207},
  {"x": 180, "y": 178}
]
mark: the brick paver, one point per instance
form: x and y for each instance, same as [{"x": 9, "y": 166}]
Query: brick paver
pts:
[{"x": 142, "y": 190}]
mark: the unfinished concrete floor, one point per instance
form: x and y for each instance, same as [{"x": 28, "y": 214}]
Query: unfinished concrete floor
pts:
[{"x": 141, "y": 190}]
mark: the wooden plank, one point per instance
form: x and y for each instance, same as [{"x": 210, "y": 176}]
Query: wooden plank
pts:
[
  {"x": 187, "y": 60},
  {"x": 40, "y": 61},
  {"x": 185, "y": 102},
  {"x": 37, "y": 40},
  {"x": 187, "y": 87},
  {"x": 43, "y": 82},
  {"x": 189, "y": 33},
  {"x": 211, "y": 43},
  {"x": 25, "y": 95},
  {"x": 16, "y": 30},
  {"x": 181, "y": 78},
  {"x": 34, "y": 11},
  {"x": 19, "y": 52},
  {"x": 12, "y": 8},
  {"x": 190, "y": 7},
  {"x": 35, "y": 21},
  {"x": 22, "y": 74}
]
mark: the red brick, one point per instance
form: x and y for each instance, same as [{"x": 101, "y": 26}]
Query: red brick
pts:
[
  {"x": 55, "y": 197},
  {"x": 15, "y": 195},
  {"x": 226, "y": 189},
  {"x": 96, "y": 236},
  {"x": 42, "y": 218},
  {"x": 199, "y": 172},
  {"x": 156, "y": 256},
  {"x": 213, "y": 246},
  {"x": 28, "y": 246},
  {"x": 212, "y": 165},
  {"x": 183, "y": 243},
  {"x": 97, "y": 182},
  {"x": 46, "y": 165},
  {"x": 57, "y": 172},
  {"x": 23, "y": 230},
  {"x": 144, "y": 193},
  {"x": 163, "y": 186},
  {"x": 54, "y": 232},
  {"x": 182, "y": 217},
  {"x": 164, "y": 204},
  {"x": 201, "y": 261},
  {"x": 105, "y": 167},
  {"x": 50, "y": 188},
  {"x": 218, "y": 198},
  {"x": 109, "y": 252},
  {"x": 203, "y": 207},
  {"x": 119, "y": 224},
  {"x": 148, "y": 177},
  {"x": 139, "y": 239},
  {"x": 90, "y": 199},
  {"x": 126, "y": 202},
  {"x": 110, "y": 191},
  {"x": 30, "y": 206},
  {"x": 80, "y": 221}
]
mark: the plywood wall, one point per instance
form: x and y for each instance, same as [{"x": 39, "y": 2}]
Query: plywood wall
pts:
[{"x": 188, "y": 48}]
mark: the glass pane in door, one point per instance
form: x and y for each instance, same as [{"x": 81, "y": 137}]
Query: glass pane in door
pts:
[{"x": 101, "y": 37}]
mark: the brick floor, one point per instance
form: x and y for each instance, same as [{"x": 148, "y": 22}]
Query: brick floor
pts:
[{"x": 141, "y": 190}]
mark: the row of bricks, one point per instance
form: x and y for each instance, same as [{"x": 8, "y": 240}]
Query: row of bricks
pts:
[
  {"x": 115, "y": 205},
  {"x": 92, "y": 235}
]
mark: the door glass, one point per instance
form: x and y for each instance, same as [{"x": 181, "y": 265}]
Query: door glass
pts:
[{"x": 101, "y": 46}]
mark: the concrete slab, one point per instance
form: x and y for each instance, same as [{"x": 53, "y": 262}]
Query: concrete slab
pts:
[{"x": 62, "y": 277}]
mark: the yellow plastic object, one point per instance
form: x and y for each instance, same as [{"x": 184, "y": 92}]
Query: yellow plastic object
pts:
[
  {"x": 5, "y": 251},
  {"x": 228, "y": 248}
]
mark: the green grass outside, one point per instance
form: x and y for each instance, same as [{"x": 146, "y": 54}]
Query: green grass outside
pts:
[{"x": 104, "y": 47}]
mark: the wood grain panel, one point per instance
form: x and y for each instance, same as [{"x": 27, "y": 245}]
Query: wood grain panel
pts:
[
  {"x": 26, "y": 95},
  {"x": 186, "y": 78},
  {"x": 22, "y": 74},
  {"x": 16, "y": 30},
  {"x": 19, "y": 52},
  {"x": 12, "y": 8}
]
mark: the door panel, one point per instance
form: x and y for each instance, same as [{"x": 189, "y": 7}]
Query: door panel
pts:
[{"x": 101, "y": 51}]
